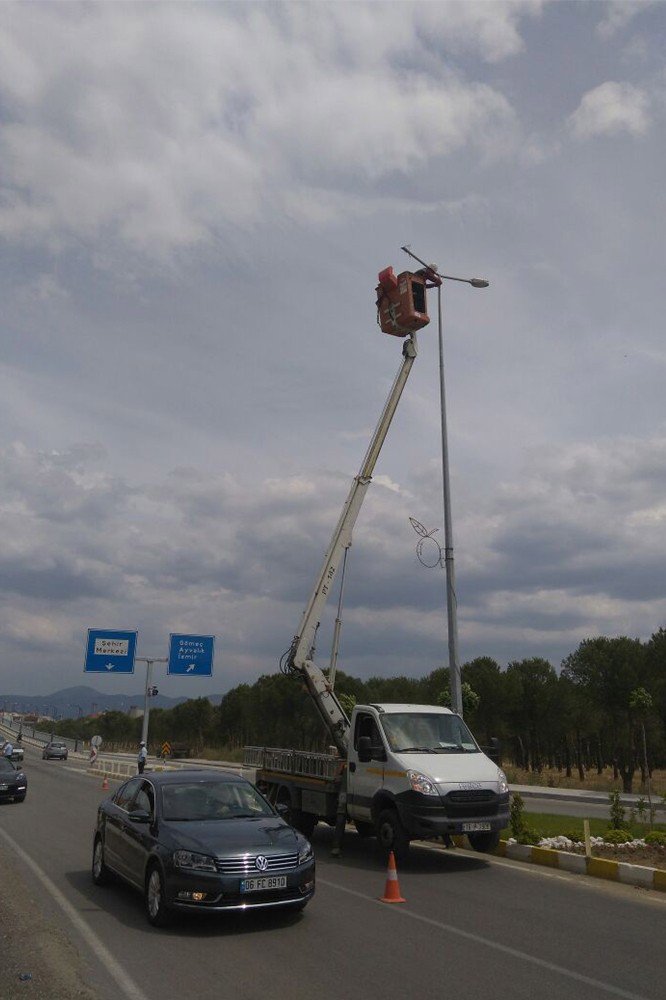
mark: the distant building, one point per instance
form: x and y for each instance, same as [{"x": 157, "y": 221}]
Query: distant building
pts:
[{"x": 135, "y": 712}]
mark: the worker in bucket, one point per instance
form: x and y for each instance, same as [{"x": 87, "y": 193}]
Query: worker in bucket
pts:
[{"x": 142, "y": 757}]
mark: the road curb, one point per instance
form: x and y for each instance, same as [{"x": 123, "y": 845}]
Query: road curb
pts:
[{"x": 613, "y": 871}]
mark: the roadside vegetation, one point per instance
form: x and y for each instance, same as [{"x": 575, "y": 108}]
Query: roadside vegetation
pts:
[{"x": 600, "y": 723}]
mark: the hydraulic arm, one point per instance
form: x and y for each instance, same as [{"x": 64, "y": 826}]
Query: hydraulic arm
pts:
[{"x": 299, "y": 656}]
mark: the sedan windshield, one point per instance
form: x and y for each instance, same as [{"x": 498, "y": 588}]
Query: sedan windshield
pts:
[
  {"x": 428, "y": 733},
  {"x": 212, "y": 800},
  {"x": 6, "y": 765}
]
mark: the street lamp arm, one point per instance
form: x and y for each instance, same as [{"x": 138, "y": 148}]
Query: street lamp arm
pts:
[{"x": 432, "y": 270}]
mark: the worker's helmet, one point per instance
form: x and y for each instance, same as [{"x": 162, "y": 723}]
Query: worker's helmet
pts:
[{"x": 142, "y": 743}]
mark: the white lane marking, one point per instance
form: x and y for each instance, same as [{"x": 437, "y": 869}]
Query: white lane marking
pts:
[
  {"x": 495, "y": 945},
  {"x": 124, "y": 982}
]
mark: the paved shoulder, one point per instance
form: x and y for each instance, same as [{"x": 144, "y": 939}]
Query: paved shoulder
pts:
[{"x": 34, "y": 945}]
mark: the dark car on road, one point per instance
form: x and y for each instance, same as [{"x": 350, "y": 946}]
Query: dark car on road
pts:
[
  {"x": 13, "y": 782},
  {"x": 204, "y": 840},
  {"x": 55, "y": 751}
]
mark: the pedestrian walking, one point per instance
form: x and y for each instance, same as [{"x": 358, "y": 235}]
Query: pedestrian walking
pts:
[
  {"x": 142, "y": 757},
  {"x": 8, "y": 750}
]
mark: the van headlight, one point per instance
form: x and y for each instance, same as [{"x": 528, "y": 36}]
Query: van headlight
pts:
[
  {"x": 503, "y": 783},
  {"x": 305, "y": 853},
  {"x": 197, "y": 862},
  {"x": 422, "y": 783}
]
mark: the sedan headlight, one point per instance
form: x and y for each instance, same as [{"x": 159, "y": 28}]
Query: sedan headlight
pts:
[
  {"x": 305, "y": 853},
  {"x": 197, "y": 862},
  {"x": 503, "y": 783},
  {"x": 422, "y": 783}
]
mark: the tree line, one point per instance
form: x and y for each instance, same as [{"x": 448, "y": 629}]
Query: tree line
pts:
[{"x": 605, "y": 708}]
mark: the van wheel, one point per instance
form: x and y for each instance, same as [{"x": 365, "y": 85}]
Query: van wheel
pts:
[
  {"x": 391, "y": 834},
  {"x": 484, "y": 842},
  {"x": 305, "y": 822},
  {"x": 156, "y": 909},
  {"x": 364, "y": 829}
]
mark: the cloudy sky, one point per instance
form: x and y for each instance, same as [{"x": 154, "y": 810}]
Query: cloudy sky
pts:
[{"x": 195, "y": 200}]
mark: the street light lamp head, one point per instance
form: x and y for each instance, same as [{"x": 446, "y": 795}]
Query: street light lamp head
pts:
[{"x": 478, "y": 282}]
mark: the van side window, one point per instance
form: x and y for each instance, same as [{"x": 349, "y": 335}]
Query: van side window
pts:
[{"x": 366, "y": 726}]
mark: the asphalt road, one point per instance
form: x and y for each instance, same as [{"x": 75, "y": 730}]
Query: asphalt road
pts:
[{"x": 471, "y": 927}]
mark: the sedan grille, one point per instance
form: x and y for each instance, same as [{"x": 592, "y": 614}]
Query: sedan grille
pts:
[{"x": 246, "y": 865}]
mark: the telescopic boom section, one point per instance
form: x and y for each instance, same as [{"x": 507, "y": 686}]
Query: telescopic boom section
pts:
[{"x": 299, "y": 656}]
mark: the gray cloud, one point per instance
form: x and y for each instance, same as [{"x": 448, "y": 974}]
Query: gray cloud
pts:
[{"x": 195, "y": 204}]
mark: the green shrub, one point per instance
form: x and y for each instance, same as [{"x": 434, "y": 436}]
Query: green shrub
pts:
[
  {"x": 656, "y": 837},
  {"x": 617, "y": 837},
  {"x": 617, "y": 810},
  {"x": 528, "y": 835},
  {"x": 516, "y": 819},
  {"x": 576, "y": 837}
]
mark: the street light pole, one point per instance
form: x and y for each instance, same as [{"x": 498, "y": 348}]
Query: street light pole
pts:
[
  {"x": 433, "y": 274},
  {"x": 451, "y": 598},
  {"x": 146, "y": 697}
]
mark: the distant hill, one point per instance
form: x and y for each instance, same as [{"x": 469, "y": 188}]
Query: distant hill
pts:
[{"x": 82, "y": 700}]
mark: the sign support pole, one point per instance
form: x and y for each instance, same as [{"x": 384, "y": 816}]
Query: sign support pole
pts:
[{"x": 146, "y": 702}]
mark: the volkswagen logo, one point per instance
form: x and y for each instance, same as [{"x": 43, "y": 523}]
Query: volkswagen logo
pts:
[{"x": 261, "y": 863}]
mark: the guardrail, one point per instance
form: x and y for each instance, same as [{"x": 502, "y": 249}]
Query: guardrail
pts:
[{"x": 41, "y": 736}]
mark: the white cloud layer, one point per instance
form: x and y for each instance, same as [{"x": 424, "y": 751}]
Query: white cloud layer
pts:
[
  {"x": 609, "y": 109},
  {"x": 164, "y": 126}
]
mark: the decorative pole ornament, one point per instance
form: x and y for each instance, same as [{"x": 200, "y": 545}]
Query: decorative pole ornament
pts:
[{"x": 435, "y": 554}]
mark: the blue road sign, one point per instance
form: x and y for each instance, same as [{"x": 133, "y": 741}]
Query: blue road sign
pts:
[
  {"x": 191, "y": 655},
  {"x": 110, "y": 651}
]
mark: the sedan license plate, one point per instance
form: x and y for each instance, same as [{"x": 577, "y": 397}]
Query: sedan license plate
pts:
[
  {"x": 475, "y": 827},
  {"x": 263, "y": 884}
]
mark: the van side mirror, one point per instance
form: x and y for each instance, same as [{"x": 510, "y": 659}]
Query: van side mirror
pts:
[
  {"x": 496, "y": 751},
  {"x": 364, "y": 749}
]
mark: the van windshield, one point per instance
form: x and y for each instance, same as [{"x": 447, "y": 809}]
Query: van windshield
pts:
[{"x": 422, "y": 732}]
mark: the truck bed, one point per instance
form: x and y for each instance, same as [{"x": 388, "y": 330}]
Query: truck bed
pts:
[{"x": 298, "y": 763}]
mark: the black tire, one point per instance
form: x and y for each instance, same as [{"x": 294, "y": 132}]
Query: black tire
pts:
[
  {"x": 364, "y": 829},
  {"x": 101, "y": 875},
  {"x": 484, "y": 843},
  {"x": 391, "y": 834},
  {"x": 305, "y": 822},
  {"x": 157, "y": 911}
]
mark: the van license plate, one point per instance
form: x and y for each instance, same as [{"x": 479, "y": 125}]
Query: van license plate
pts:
[
  {"x": 474, "y": 827},
  {"x": 263, "y": 884}
]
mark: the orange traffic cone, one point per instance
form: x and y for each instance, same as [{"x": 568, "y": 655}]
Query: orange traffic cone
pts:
[
  {"x": 392, "y": 889},
  {"x": 105, "y": 783}
]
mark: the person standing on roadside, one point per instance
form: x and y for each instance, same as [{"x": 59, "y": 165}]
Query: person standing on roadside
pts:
[
  {"x": 142, "y": 757},
  {"x": 8, "y": 750}
]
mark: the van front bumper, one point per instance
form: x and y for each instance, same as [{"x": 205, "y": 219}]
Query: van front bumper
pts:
[{"x": 430, "y": 816}]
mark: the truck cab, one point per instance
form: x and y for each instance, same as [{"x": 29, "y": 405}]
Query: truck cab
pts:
[{"x": 416, "y": 771}]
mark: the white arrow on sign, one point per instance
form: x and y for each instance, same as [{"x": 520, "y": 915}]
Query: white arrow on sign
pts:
[
  {"x": 190, "y": 668},
  {"x": 109, "y": 666}
]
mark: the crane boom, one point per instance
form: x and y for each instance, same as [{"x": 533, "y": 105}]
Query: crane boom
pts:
[{"x": 299, "y": 658}]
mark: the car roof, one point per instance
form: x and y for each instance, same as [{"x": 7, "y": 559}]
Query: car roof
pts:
[{"x": 192, "y": 774}]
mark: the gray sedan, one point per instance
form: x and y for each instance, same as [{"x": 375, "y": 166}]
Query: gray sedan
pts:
[{"x": 201, "y": 840}]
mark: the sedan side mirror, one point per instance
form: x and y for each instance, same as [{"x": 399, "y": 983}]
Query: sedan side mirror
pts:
[{"x": 140, "y": 816}]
